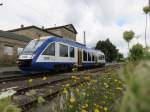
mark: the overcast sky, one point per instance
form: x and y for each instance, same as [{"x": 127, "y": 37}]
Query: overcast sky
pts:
[{"x": 100, "y": 19}]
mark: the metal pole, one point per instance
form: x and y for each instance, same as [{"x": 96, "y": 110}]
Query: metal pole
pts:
[{"x": 84, "y": 37}]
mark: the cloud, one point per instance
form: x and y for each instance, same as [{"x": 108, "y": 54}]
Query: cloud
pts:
[{"x": 101, "y": 19}]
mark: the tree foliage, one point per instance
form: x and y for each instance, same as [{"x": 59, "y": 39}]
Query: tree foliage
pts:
[
  {"x": 146, "y": 9},
  {"x": 108, "y": 49},
  {"x": 120, "y": 57},
  {"x": 128, "y": 35},
  {"x": 137, "y": 52}
]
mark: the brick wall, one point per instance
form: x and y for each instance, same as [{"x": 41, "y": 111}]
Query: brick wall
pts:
[
  {"x": 15, "y": 44},
  {"x": 32, "y": 32},
  {"x": 64, "y": 33}
]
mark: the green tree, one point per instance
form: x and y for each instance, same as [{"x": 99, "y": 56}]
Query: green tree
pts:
[
  {"x": 146, "y": 10},
  {"x": 108, "y": 49},
  {"x": 137, "y": 52},
  {"x": 120, "y": 57},
  {"x": 128, "y": 36}
]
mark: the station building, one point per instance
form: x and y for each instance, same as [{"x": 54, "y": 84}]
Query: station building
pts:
[
  {"x": 66, "y": 31},
  {"x": 10, "y": 46}
]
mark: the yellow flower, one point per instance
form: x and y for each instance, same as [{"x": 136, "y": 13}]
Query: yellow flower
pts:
[
  {"x": 73, "y": 77},
  {"x": 94, "y": 81},
  {"x": 87, "y": 78},
  {"x": 81, "y": 84},
  {"x": 70, "y": 106},
  {"x": 96, "y": 110},
  {"x": 116, "y": 80},
  {"x": 65, "y": 91},
  {"x": 75, "y": 80},
  {"x": 44, "y": 78},
  {"x": 83, "y": 93},
  {"x": 86, "y": 105},
  {"x": 72, "y": 99},
  {"x": 30, "y": 80},
  {"x": 83, "y": 110},
  {"x": 105, "y": 108},
  {"x": 106, "y": 85},
  {"x": 119, "y": 88},
  {"x": 67, "y": 85},
  {"x": 77, "y": 90},
  {"x": 96, "y": 105}
]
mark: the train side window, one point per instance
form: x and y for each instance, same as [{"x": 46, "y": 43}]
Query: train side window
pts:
[
  {"x": 89, "y": 57},
  {"x": 84, "y": 55},
  {"x": 72, "y": 52},
  {"x": 92, "y": 57},
  {"x": 50, "y": 50},
  {"x": 95, "y": 58},
  {"x": 103, "y": 57},
  {"x": 63, "y": 50}
]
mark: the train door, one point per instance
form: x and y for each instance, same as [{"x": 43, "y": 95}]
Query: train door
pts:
[{"x": 79, "y": 57}]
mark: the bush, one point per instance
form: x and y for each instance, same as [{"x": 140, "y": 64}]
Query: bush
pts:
[
  {"x": 137, "y": 52},
  {"x": 146, "y": 54}
]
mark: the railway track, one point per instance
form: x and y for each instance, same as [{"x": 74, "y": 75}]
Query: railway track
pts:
[
  {"x": 57, "y": 85},
  {"x": 11, "y": 76}
]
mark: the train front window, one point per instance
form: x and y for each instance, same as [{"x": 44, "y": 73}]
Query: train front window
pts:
[
  {"x": 84, "y": 56},
  {"x": 50, "y": 50},
  {"x": 32, "y": 46}
]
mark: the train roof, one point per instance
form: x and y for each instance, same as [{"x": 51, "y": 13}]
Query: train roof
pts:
[{"x": 70, "y": 42}]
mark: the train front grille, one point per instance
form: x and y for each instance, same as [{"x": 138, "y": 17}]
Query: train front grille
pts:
[{"x": 24, "y": 63}]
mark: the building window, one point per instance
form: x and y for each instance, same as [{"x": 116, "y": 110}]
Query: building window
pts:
[
  {"x": 72, "y": 52},
  {"x": 50, "y": 50},
  {"x": 89, "y": 57},
  {"x": 63, "y": 50},
  {"x": 8, "y": 50},
  {"x": 84, "y": 56},
  {"x": 20, "y": 50}
]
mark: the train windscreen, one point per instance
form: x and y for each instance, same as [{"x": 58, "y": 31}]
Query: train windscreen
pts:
[{"x": 32, "y": 46}]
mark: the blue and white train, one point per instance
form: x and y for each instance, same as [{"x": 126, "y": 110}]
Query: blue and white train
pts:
[{"x": 54, "y": 53}]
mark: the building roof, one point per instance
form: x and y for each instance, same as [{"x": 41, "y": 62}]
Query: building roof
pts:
[
  {"x": 29, "y": 27},
  {"x": 14, "y": 36},
  {"x": 66, "y": 27}
]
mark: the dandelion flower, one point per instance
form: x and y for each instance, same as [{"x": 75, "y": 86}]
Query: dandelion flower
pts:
[
  {"x": 83, "y": 110},
  {"x": 30, "y": 80},
  {"x": 96, "y": 110},
  {"x": 87, "y": 78},
  {"x": 65, "y": 91},
  {"x": 67, "y": 85},
  {"x": 44, "y": 78},
  {"x": 72, "y": 99},
  {"x": 105, "y": 108},
  {"x": 119, "y": 88},
  {"x": 85, "y": 106},
  {"x": 106, "y": 85}
]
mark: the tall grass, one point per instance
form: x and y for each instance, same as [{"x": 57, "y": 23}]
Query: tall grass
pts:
[
  {"x": 7, "y": 106},
  {"x": 137, "y": 95}
]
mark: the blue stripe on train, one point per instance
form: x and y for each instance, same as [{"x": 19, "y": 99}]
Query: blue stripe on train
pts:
[{"x": 44, "y": 66}]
